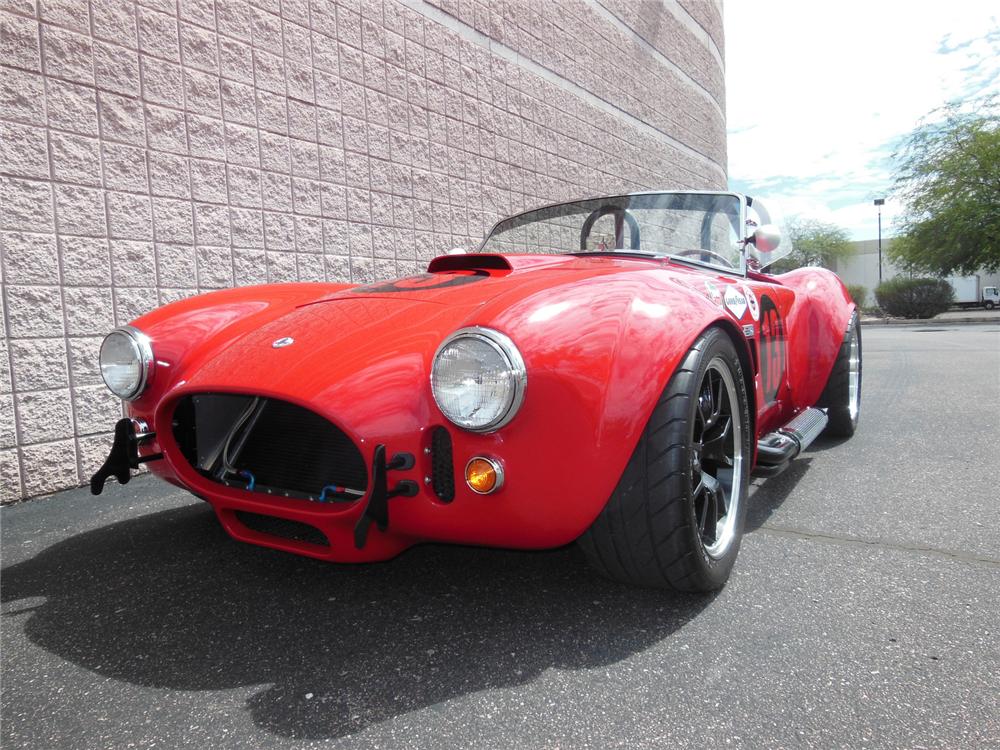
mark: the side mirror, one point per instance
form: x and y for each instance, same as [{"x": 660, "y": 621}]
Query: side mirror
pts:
[{"x": 766, "y": 238}]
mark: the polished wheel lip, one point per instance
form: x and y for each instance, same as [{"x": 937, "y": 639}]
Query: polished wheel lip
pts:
[
  {"x": 854, "y": 376},
  {"x": 732, "y": 489}
]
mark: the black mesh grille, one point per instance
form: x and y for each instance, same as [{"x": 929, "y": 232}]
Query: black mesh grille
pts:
[
  {"x": 442, "y": 467},
  {"x": 283, "y": 528},
  {"x": 293, "y": 448},
  {"x": 285, "y": 447}
]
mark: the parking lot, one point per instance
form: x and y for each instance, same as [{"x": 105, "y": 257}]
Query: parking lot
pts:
[{"x": 864, "y": 611}]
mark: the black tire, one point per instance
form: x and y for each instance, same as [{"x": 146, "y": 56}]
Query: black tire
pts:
[
  {"x": 989, "y": 305},
  {"x": 649, "y": 533},
  {"x": 836, "y": 397}
]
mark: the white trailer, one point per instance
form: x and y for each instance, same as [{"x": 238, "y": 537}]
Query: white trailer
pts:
[
  {"x": 966, "y": 290},
  {"x": 969, "y": 293}
]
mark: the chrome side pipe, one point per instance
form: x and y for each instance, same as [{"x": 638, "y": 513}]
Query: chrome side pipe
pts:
[{"x": 776, "y": 449}]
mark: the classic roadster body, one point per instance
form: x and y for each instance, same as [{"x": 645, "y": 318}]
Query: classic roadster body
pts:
[{"x": 619, "y": 393}]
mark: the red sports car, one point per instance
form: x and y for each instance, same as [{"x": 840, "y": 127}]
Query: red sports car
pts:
[{"x": 608, "y": 371}]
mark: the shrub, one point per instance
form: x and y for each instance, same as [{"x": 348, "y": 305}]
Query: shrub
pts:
[
  {"x": 858, "y": 293},
  {"x": 914, "y": 298}
]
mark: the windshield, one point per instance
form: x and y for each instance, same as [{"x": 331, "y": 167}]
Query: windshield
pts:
[{"x": 702, "y": 227}]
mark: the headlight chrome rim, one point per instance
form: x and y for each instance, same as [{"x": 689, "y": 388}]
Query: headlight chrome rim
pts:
[
  {"x": 506, "y": 348},
  {"x": 144, "y": 348}
]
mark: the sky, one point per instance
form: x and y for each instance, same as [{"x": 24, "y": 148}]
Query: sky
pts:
[{"x": 820, "y": 94}]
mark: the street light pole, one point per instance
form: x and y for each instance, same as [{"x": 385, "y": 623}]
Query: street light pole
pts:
[{"x": 879, "y": 202}]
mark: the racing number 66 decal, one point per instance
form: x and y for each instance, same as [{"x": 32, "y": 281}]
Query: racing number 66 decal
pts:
[{"x": 773, "y": 353}]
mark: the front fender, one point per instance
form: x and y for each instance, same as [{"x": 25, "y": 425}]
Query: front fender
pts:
[{"x": 599, "y": 354}]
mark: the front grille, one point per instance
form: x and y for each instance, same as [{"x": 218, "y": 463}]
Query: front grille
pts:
[
  {"x": 283, "y": 528},
  {"x": 442, "y": 468},
  {"x": 276, "y": 446}
]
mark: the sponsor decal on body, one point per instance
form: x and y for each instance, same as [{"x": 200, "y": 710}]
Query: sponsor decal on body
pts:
[
  {"x": 713, "y": 292},
  {"x": 736, "y": 301},
  {"x": 752, "y": 305}
]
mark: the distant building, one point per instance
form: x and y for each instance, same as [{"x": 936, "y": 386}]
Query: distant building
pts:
[{"x": 862, "y": 267}]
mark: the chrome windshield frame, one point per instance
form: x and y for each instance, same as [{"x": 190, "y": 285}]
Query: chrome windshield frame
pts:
[{"x": 741, "y": 270}]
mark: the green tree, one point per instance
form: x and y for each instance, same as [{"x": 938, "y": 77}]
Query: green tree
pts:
[
  {"x": 814, "y": 243},
  {"x": 948, "y": 176}
]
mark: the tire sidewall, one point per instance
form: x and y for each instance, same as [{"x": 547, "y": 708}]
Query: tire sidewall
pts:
[{"x": 715, "y": 571}]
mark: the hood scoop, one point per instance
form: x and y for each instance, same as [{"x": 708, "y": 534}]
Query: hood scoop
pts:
[
  {"x": 496, "y": 265},
  {"x": 473, "y": 262}
]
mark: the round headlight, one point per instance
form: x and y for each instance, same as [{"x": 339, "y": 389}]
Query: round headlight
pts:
[
  {"x": 478, "y": 379},
  {"x": 126, "y": 361}
]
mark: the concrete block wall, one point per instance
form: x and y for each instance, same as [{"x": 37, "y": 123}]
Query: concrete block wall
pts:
[{"x": 155, "y": 149}]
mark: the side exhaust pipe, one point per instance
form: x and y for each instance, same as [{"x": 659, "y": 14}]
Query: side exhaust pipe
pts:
[{"x": 777, "y": 449}]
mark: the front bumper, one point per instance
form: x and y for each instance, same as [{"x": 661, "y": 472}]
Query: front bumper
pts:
[
  {"x": 313, "y": 523},
  {"x": 557, "y": 478}
]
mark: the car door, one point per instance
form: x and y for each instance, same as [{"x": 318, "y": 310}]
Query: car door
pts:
[{"x": 770, "y": 306}]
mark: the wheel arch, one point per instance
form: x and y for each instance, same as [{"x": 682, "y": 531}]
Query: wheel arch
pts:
[
  {"x": 748, "y": 363},
  {"x": 623, "y": 542},
  {"x": 672, "y": 351},
  {"x": 672, "y": 342}
]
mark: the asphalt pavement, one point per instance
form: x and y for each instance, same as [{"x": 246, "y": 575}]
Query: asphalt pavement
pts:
[
  {"x": 967, "y": 315},
  {"x": 863, "y": 612}
]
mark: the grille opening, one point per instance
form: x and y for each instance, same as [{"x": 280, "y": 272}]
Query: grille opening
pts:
[
  {"x": 283, "y": 528},
  {"x": 270, "y": 446},
  {"x": 442, "y": 466}
]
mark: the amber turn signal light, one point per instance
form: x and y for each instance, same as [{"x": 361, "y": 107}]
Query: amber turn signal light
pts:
[{"x": 484, "y": 475}]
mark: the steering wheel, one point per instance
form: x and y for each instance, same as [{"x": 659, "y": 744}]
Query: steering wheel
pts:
[
  {"x": 622, "y": 216},
  {"x": 724, "y": 261}
]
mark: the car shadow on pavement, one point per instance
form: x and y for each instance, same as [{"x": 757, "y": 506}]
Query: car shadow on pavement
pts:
[
  {"x": 167, "y": 600},
  {"x": 768, "y": 495}
]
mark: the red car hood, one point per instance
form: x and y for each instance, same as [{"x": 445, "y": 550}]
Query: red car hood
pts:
[
  {"x": 348, "y": 356},
  {"x": 362, "y": 352}
]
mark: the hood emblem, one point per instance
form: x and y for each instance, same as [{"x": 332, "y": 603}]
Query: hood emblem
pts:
[{"x": 282, "y": 342}]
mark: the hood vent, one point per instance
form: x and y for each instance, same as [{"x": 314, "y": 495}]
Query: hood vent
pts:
[{"x": 472, "y": 262}]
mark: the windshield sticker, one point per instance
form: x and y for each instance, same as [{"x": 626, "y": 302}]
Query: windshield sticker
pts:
[
  {"x": 752, "y": 302},
  {"x": 425, "y": 282},
  {"x": 736, "y": 302},
  {"x": 713, "y": 292}
]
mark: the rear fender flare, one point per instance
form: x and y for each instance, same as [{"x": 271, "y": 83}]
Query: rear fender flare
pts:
[{"x": 817, "y": 324}]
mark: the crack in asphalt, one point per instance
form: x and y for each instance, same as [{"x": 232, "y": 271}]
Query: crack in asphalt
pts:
[{"x": 854, "y": 541}]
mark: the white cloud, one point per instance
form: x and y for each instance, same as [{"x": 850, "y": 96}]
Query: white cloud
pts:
[{"x": 817, "y": 94}]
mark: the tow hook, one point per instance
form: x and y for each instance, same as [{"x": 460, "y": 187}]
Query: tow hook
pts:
[
  {"x": 124, "y": 455},
  {"x": 377, "y": 509}
]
